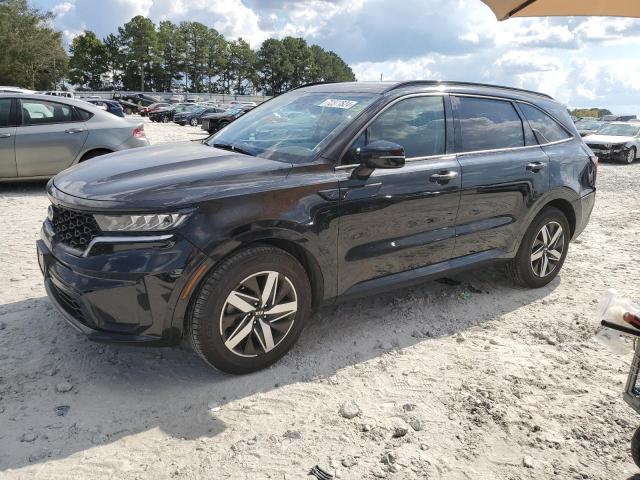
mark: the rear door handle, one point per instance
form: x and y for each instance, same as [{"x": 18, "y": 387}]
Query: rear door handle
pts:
[
  {"x": 74, "y": 130},
  {"x": 443, "y": 177},
  {"x": 535, "y": 167},
  {"x": 5, "y": 135}
]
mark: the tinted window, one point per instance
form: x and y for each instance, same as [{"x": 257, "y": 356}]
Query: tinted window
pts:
[
  {"x": 84, "y": 115},
  {"x": 545, "y": 127},
  {"x": 36, "y": 112},
  {"x": 418, "y": 124},
  {"x": 5, "y": 112},
  {"x": 487, "y": 124}
]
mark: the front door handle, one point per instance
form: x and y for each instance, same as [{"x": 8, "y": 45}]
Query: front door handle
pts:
[
  {"x": 535, "y": 167},
  {"x": 5, "y": 135},
  {"x": 443, "y": 177},
  {"x": 74, "y": 130}
]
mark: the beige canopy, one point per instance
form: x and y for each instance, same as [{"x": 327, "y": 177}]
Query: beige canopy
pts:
[{"x": 505, "y": 9}]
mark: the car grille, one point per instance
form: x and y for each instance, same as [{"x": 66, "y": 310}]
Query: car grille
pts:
[{"x": 74, "y": 229}]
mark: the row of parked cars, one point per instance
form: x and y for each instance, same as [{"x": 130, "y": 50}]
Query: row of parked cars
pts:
[
  {"x": 212, "y": 117},
  {"x": 617, "y": 141}
]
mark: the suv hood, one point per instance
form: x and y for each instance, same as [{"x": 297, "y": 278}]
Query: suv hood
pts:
[
  {"x": 165, "y": 176},
  {"x": 604, "y": 139}
]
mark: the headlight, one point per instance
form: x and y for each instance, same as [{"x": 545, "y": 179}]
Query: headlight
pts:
[{"x": 140, "y": 223}]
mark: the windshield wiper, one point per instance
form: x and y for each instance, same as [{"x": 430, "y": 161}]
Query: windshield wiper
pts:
[{"x": 233, "y": 148}]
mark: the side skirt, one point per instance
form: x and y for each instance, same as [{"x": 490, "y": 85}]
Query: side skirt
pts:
[{"x": 419, "y": 275}]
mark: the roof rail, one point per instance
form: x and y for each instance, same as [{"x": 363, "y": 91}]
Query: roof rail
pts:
[
  {"x": 461, "y": 84},
  {"x": 312, "y": 84}
]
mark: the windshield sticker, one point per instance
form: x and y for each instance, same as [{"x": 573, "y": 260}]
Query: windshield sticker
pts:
[{"x": 335, "y": 103}]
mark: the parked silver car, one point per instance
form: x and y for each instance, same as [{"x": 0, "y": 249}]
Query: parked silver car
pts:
[
  {"x": 42, "y": 135},
  {"x": 617, "y": 141}
]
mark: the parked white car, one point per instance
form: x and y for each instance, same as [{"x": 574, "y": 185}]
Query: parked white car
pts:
[{"x": 617, "y": 141}]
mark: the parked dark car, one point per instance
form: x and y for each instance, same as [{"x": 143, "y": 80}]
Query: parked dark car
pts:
[
  {"x": 194, "y": 117},
  {"x": 616, "y": 141},
  {"x": 144, "y": 111},
  {"x": 165, "y": 115},
  {"x": 110, "y": 106},
  {"x": 327, "y": 191},
  {"x": 587, "y": 127},
  {"x": 217, "y": 121}
]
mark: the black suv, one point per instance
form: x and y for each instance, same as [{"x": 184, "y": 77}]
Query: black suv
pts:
[{"x": 329, "y": 190}]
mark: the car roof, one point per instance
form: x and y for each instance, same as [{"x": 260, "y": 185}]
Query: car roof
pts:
[
  {"x": 425, "y": 86},
  {"x": 76, "y": 102}
]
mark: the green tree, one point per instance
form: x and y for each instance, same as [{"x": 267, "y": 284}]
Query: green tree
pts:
[
  {"x": 88, "y": 62},
  {"x": 274, "y": 67},
  {"x": 217, "y": 58},
  {"x": 299, "y": 57},
  {"x": 31, "y": 53},
  {"x": 139, "y": 40},
  {"x": 195, "y": 38},
  {"x": 590, "y": 112},
  {"x": 241, "y": 68},
  {"x": 328, "y": 67},
  {"x": 114, "y": 59},
  {"x": 171, "y": 52}
]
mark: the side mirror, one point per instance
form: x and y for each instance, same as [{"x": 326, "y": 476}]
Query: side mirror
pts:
[{"x": 379, "y": 154}]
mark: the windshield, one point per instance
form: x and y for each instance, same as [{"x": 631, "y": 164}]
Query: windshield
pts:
[
  {"x": 589, "y": 124},
  {"x": 293, "y": 127},
  {"x": 619, "y": 130}
]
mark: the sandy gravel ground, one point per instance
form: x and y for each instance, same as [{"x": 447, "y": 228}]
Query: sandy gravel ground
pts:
[{"x": 479, "y": 380}]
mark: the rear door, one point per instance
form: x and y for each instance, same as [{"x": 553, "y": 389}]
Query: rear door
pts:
[
  {"x": 401, "y": 219},
  {"x": 49, "y": 138},
  {"x": 7, "y": 139},
  {"x": 504, "y": 171}
]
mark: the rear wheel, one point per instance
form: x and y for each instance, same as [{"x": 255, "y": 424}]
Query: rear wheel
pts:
[
  {"x": 542, "y": 251},
  {"x": 165, "y": 119},
  {"x": 250, "y": 310},
  {"x": 93, "y": 154},
  {"x": 194, "y": 122}
]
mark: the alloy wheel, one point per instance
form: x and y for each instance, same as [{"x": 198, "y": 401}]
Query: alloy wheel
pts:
[
  {"x": 194, "y": 122},
  {"x": 631, "y": 156},
  {"x": 547, "y": 249},
  {"x": 258, "y": 314}
]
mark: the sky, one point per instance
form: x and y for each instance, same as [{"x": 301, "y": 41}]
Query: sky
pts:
[{"x": 583, "y": 62}]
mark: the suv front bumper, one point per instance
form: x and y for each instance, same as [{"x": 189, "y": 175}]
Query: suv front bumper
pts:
[{"x": 130, "y": 296}]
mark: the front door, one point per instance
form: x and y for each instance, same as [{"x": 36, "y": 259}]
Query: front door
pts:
[
  {"x": 401, "y": 219},
  {"x": 7, "y": 140},
  {"x": 504, "y": 171},
  {"x": 49, "y": 138}
]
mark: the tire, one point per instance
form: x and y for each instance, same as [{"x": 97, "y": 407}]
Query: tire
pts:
[
  {"x": 165, "y": 119},
  {"x": 193, "y": 122},
  {"x": 635, "y": 447},
  {"x": 631, "y": 156},
  {"x": 241, "y": 340},
  {"x": 128, "y": 111},
  {"x": 526, "y": 271},
  {"x": 93, "y": 154}
]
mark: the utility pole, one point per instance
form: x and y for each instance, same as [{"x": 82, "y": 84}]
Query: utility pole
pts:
[{"x": 380, "y": 77}]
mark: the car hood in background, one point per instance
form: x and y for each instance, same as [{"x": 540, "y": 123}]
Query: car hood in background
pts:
[
  {"x": 606, "y": 139},
  {"x": 165, "y": 176}
]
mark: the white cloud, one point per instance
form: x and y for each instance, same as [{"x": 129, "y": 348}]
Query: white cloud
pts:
[{"x": 581, "y": 61}]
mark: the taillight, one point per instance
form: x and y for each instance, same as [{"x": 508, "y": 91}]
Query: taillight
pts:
[
  {"x": 594, "y": 160},
  {"x": 138, "y": 132}
]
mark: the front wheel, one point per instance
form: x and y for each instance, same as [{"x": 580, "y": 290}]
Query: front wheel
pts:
[
  {"x": 631, "y": 155},
  {"x": 542, "y": 251},
  {"x": 635, "y": 447},
  {"x": 250, "y": 310},
  {"x": 194, "y": 122},
  {"x": 165, "y": 119}
]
